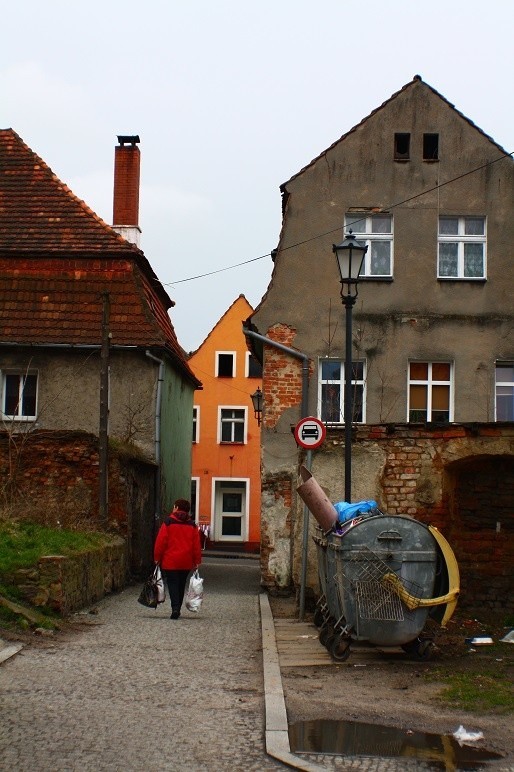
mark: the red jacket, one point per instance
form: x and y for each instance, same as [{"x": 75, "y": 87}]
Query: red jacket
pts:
[{"x": 178, "y": 544}]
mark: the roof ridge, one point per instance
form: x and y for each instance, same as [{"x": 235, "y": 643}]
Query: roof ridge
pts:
[{"x": 415, "y": 79}]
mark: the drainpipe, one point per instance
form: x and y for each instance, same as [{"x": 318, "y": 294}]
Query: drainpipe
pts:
[
  {"x": 158, "y": 402},
  {"x": 308, "y": 463}
]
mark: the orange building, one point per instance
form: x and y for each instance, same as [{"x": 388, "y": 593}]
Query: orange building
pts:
[{"x": 226, "y": 466}]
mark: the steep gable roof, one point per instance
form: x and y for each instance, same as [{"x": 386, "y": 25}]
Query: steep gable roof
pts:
[
  {"x": 39, "y": 213},
  {"x": 57, "y": 257},
  {"x": 417, "y": 79},
  {"x": 241, "y": 299}
]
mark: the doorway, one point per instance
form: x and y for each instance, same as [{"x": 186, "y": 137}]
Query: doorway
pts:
[{"x": 231, "y": 510}]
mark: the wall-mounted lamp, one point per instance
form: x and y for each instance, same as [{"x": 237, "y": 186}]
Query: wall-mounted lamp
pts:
[{"x": 257, "y": 405}]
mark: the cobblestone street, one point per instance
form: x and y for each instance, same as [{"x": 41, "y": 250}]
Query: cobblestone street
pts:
[{"x": 137, "y": 691}]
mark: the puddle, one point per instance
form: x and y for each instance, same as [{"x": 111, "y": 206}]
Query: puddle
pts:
[{"x": 355, "y": 738}]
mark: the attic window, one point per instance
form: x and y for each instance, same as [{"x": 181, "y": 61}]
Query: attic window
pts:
[
  {"x": 430, "y": 147},
  {"x": 225, "y": 364},
  {"x": 401, "y": 147}
]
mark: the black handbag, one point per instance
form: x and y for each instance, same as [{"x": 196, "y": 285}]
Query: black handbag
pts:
[{"x": 149, "y": 595}]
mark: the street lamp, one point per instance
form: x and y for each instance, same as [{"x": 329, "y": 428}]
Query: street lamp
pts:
[
  {"x": 257, "y": 404},
  {"x": 350, "y": 257}
]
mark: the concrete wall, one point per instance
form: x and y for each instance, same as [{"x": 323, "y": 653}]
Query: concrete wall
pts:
[{"x": 411, "y": 316}]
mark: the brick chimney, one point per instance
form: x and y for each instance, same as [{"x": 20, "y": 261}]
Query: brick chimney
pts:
[{"x": 125, "y": 215}]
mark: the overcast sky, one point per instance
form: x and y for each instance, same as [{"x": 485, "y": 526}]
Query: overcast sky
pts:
[{"x": 230, "y": 99}]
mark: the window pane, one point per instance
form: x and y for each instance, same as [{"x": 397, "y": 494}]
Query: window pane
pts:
[
  {"x": 418, "y": 371},
  {"x": 254, "y": 367},
  {"x": 231, "y": 526},
  {"x": 29, "y": 396},
  {"x": 239, "y": 432},
  {"x": 474, "y": 226},
  {"x": 357, "y": 222},
  {"x": 381, "y": 223},
  {"x": 473, "y": 260},
  {"x": 448, "y": 259},
  {"x": 225, "y": 365},
  {"x": 330, "y": 371},
  {"x": 226, "y": 432},
  {"x": 357, "y": 403},
  {"x": 505, "y": 372},
  {"x": 232, "y": 502},
  {"x": 440, "y": 416},
  {"x": 441, "y": 371},
  {"x": 417, "y": 416},
  {"x": 441, "y": 398},
  {"x": 331, "y": 403},
  {"x": 448, "y": 226},
  {"x": 505, "y": 403},
  {"x": 12, "y": 394},
  {"x": 357, "y": 371},
  {"x": 380, "y": 258},
  {"x": 418, "y": 397}
]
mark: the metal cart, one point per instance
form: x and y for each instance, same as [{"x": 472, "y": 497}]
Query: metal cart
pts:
[{"x": 391, "y": 573}]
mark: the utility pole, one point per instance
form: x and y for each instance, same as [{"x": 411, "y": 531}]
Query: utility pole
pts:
[{"x": 103, "y": 437}]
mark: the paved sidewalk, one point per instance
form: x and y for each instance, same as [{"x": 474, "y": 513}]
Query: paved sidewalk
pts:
[{"x": 138, "y": 691}]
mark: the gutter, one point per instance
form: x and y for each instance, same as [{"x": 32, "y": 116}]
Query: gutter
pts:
[
  {"x": 308, "y": 462},
  {"x": 294, "y": 353}
]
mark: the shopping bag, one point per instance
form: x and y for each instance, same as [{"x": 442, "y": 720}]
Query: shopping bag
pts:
[
  {"x": 194, "y": 596},
  {"x": 159, "y": 583},
  {"x": 153, "y": 590}
]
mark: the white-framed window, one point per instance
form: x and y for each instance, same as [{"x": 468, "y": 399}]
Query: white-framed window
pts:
[
  {"x": 505, "y": 391},
  {"x": 430, "y": 392},
  {"x": 253, "y": 368},
  {"x": 195, "y": 497},
  {"x": 375, "y": 230},
  {"x": 461, "y": 248},
  {"x": 196, "y": 424},
  {"x": 19, "y": 395},
  {"x": 232, "y": 424},
  {"x": 331, "y": 391},
  {"x": 225, "y": 364}
]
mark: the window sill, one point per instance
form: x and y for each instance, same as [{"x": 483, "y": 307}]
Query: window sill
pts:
[
  {"x": 381, "y": 279},
  {"x": 229, "y": 442},
  {"x": 477, "y": 280}
]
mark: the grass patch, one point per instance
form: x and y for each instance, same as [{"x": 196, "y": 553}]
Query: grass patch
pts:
[
  {"x": 486, "y": 690},
  {"x": 23, "y": 543}
]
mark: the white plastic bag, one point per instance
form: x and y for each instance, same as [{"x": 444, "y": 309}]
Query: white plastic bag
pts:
[
  {"x": 159, "y": 584},
  {"x": 194, "y": 596}
]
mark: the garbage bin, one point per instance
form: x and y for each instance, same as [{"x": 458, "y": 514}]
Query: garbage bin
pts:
[{"x": 391, "y": 573}]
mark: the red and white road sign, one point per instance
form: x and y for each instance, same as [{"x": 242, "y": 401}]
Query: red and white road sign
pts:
[{"x": 310, "y": 433}]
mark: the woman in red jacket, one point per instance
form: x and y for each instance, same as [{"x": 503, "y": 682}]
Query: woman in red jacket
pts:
[{"x": 178, "y": 551}]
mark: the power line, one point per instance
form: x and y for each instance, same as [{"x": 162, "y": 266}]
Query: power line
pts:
[{"x": 333, "y": 230}]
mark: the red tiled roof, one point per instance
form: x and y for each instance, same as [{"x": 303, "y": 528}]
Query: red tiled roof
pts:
[
  {"x": 40, "y": 213},
  {"x": 57, "y": 258}
]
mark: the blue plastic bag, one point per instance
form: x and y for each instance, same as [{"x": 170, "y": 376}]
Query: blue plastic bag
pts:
[{"x": 347, "y": 511}]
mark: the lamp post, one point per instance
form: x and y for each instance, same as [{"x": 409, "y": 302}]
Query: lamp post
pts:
[
  {"x": 350, "y": 257},
  {"x": 257, "y": 404}
]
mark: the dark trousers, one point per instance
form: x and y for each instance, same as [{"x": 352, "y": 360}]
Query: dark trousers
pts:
[{"x": 176, "y": 581}]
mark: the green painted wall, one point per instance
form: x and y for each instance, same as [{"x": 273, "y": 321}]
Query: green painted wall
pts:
[{"x": 176, "y": 438}]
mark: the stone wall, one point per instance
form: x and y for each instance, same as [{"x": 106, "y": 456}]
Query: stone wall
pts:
[{"x": 66, "y": 584}]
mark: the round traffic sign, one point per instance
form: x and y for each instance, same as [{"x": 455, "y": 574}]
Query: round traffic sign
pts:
[{"x": 310, "y": 432}]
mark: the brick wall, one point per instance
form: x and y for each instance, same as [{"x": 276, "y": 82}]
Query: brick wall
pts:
[{"x": 51, "y": 478}]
